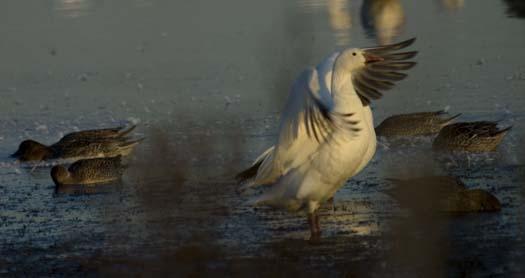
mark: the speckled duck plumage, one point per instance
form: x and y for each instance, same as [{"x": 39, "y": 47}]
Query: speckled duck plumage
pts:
[
  {"x": 105, "y": 133},
  {"x": 83, "y": 144},
  {"x": 414, "y": 124},
  {"x": 89, "y": 171},
  {"x": 481, "y": 136}
]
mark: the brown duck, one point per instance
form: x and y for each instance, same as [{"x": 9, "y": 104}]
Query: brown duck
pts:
[
  {"x": 89, "y": 171},
  {"x": 83, "y": 144},
  {"x": 414, "y": 124},
  {"x": 482, "y": 136},
  {"x": 442, "y": 194}
]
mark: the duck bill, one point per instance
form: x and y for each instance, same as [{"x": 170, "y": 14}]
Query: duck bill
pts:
[
  {"x": 15, "y": 155},
  {"x": 371, "y": 58}
]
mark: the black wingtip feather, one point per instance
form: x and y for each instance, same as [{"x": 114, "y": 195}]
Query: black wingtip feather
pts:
[
  {"x": 249, "y": 173},
  {"x": 392, "y": 66},
  {"x": 390, "y": 47}
]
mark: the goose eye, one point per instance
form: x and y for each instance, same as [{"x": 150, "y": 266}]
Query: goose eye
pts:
[{"x": 353, "y": 53}]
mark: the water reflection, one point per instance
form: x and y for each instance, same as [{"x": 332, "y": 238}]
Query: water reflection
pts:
[
  {"x": 453, "y": 5},
  {"x": 73, "y": 8},
  {"x": 340, "y": 20},
  {"x": 382, "y": 19},
  {"x": 144, "y": 3},
  {"x": 515, "y": 8},
  {"x": 338, "y": 15}
]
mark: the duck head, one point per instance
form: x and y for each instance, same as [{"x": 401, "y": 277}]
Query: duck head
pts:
[
  {"x": 30, "y": 150},
  {"x": 60, "y": 175}
]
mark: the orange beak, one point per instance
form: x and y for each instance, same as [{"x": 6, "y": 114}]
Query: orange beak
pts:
[{"x": 370, "y": 58}]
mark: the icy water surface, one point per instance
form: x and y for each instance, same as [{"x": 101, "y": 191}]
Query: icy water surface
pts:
[{"x": 206, "y": 81}]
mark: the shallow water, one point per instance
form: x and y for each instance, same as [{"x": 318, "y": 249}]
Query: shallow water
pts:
[{"x": 206, "y": 81}]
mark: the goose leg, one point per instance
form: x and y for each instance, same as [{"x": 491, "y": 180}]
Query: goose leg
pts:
[
  {"x": 313, "y": 222},
  {"x": 317, "y": 227},
  {"x": 331, "y": 203}
]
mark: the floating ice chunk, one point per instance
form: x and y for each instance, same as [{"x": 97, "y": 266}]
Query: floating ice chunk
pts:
[
  {"x": 41, "y": 127},
  {"x": 133, "y": 121}
]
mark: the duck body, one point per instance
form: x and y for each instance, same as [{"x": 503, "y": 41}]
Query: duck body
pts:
[
  {"x": 443, "y": 194},
  {"x": 85, "y": 148},
  {"x": 476, "y": 137},
  {"x": 414, "y": 124},
  {"x": 98, "y": 134},
  {"x": 82, "y": 144},
  {"x": 88, "y": 171}
]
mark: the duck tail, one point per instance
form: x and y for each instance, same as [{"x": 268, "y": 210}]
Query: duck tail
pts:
[
  {"x": 131, "y": 143},
  {"x": 503, "y": 130},
  {"x": 125, "y": 131},
  {"x": 450, "y": 119}
]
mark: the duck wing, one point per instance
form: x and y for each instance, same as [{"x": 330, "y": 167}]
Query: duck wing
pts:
[
  {"x": 97, "y": 168},
  {"x": 97, "y": 134}
]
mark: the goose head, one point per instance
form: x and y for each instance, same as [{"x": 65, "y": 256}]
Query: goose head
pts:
[{"x": 353, "y": 59}]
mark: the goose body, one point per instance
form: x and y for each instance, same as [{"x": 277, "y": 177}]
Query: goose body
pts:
[
  {"x": 481, "y": 136},
  {"x": 414, "y": 124},
  {"x": 326, "y": 133},
  {"x": 82, "y": 144},
  {"x": 88, "y": 171}
]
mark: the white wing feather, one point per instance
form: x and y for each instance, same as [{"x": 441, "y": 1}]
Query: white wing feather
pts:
[{"x": 307, "y": 121}]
